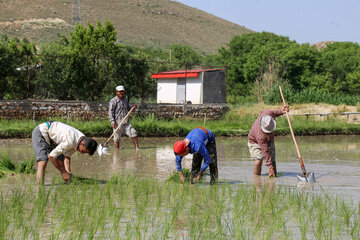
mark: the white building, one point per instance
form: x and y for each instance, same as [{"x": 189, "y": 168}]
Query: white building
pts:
[{"x": 191, "y": 86}]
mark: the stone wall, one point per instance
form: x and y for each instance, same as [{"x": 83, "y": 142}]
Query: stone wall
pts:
[{"x": 21, "y": 109}]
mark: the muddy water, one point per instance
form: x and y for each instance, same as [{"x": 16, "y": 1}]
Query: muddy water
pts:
[{"x": 335, "y": 160}]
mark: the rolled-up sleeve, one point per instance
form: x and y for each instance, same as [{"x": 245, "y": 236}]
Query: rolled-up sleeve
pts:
[
  {"x": 178, "y": 163},
  {"x": 112, "y": 111}
]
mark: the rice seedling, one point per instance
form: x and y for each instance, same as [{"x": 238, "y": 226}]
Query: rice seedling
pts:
[
  {"x": 26, "y": 167},
  {"x": 7, "y": 167},
  {"x": 174, "y": 177},
  {"x": 125, "y": 207}
]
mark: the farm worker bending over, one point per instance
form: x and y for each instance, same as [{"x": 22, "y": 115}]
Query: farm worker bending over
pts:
[
  {"x": 261, "y": 140},
  {"x": 200, "y": 142},
  {"x": 118, "y": 108},
  {"x": 57, "y": 141}
]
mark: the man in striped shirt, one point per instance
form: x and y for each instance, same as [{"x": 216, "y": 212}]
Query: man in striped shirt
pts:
[{"x": 118, "y": 109}]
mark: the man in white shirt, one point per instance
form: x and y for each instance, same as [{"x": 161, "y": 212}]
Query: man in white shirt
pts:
[{"x": 57, "y": 141}]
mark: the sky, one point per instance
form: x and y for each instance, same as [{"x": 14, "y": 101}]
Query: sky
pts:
[{"x": 304, "y": 21}]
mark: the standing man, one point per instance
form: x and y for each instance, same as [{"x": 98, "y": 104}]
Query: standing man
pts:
[
  {"x": 57, "y": 141},
  {"x": 261, "y": 140},
  {"x": 118, "y": 108},
  {"x": 200, "y": 142}
]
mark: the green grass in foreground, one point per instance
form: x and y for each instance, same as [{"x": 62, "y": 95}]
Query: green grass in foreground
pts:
[
  {"x": 7, "y": 167},
  {"x": 126, "y": 207}
]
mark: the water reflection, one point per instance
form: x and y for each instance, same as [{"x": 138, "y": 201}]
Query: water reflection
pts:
[
  {"x": 333, "y": 159},
  {"x": 263, "y": 184}
]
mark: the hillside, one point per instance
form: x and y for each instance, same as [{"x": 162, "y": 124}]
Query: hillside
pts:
[{"x": 158, "y": 23}]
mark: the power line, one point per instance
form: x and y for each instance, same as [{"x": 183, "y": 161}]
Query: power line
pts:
[{"x": 75, "y": 13}]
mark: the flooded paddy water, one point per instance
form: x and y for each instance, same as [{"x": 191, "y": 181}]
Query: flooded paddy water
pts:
[
  {"x": 333, "y": 159},
  {"x": 128, "y": 207}
]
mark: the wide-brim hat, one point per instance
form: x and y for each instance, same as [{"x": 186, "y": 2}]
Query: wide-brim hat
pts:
[{"x": 267, "y": 124}]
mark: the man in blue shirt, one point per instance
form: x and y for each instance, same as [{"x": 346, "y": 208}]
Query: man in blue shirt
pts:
[{"x": 200, "y": 142}]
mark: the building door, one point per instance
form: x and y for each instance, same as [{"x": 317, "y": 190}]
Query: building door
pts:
[{"x": 180, "y": 92}]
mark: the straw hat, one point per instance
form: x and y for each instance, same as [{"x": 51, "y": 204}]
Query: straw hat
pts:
[{"x": 267, "y": 124}]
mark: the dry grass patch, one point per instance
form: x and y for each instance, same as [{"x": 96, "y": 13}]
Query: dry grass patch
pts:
[{"x": 302, "y": 109}]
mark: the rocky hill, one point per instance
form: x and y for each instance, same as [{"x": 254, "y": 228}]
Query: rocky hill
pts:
[
  {"x": 321, "y": 45},
  {"x": 157, "y": 23}
]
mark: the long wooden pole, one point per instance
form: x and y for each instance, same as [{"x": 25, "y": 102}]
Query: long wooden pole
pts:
[
  {"x": 127, "y": 115},
  {"x": 293, "y": 137}
]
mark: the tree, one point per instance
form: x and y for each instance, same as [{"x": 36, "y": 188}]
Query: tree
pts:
[
  {"x": 84, "y": 66},
  {"x": 300, "y": 63},
  {"x": 185, "y": 56},
  {"x": 132, "y": 71},
  {"x": 248, "y": 55},
  {"x": 340, "y": 62},
  {"x": 98, "y": 45},
  {"x": 17, "y": 68}
]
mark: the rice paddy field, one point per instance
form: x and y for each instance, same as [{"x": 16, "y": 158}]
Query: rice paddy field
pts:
[
  {"x": 125, "y": 207},
  {"x": 129, "y": 194}
]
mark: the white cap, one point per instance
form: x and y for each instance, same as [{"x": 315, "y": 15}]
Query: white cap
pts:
[
  {"x": 120, "y": 88},
  {"x": 267, "y": 124}
]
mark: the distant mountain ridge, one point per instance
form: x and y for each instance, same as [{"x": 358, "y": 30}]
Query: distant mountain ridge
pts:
[{"x": 157, "y": 23}]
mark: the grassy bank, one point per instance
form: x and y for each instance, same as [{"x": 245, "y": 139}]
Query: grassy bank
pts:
[
  {"x": 135, "y": 208},
  {"x": 237, "y": 122}
]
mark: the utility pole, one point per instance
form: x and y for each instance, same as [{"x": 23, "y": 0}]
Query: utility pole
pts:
[{"x": 75, "y": 13}]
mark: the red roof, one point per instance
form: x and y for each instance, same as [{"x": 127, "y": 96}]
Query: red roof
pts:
[{"x": 181, "y": 73}]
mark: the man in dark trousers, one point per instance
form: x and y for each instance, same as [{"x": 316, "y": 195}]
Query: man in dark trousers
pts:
[
  {"x": 118, "y": 109},
  {"x": 200, "y": 142},
  {"x": 261, "y": 140}
]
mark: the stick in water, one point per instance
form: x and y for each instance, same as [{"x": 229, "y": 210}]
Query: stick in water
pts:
[{"x": 293, "y": 137}]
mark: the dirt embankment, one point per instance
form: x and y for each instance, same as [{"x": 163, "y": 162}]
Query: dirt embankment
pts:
[
  {"x": 326, "y": 111},
  {"x": 320, "y": 112}
]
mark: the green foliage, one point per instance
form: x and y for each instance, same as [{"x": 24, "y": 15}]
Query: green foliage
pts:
[
  {"x": 299, "y": 63},
  {"x": 150, "y": 126},
  {"x": 26, "y": 167},
  {"x": 83, "y": 68},
  {"x": 84, "y": 180},
  {"x": 253, "y": 58},
  {"x": 340, "y": 63},
  {"x": 240, "y": 100},
  {"x": 89, "y": 63},
  {"x": 7, "y": 167},
  {"x": 17, "y": 68},
  {"x": 145, "y": 208},
  {"x": 174, "y": 177},
  {"x": 309, "y": 96},
  {"x": 237, "y": 122},
  {"x": 247, "y": 55},
  {"x": 185, "y": 56}
]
